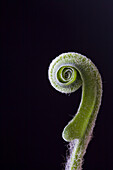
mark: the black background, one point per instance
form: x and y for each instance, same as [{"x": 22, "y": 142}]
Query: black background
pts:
[{"x": 32, "y": 113}]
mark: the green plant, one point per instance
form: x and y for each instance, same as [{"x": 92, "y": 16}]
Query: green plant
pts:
[{"x": 67, "y": 73}]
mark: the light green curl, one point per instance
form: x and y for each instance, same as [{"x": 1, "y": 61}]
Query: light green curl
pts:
[{"x": 67, "y": 73}]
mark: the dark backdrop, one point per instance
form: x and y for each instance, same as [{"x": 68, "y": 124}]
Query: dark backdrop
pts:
[{"x": 32, "y": 113}]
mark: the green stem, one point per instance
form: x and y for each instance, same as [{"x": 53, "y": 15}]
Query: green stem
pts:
[{"x": 67, "y": 73}]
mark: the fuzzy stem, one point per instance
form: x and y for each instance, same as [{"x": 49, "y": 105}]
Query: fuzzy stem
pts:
[{"x": 67, "y": 73}]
